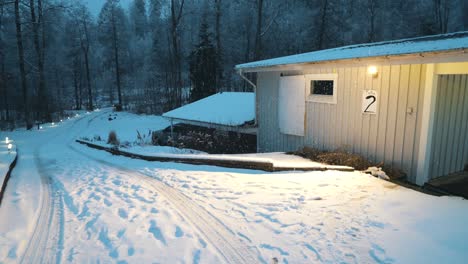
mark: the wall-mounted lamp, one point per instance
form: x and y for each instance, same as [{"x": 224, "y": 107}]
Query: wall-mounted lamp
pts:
[
  {"x": 372, "y": 70},
  {"x": 10, "y": 146},
  {"x": 7, "y": 140}
]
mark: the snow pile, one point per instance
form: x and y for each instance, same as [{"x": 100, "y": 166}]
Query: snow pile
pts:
[
  {"x": 377, "y": 172},
  {"x": 228, "y": 108}
]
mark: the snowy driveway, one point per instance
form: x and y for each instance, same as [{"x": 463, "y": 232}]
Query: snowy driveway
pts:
[{"x": 100, "y": 208}]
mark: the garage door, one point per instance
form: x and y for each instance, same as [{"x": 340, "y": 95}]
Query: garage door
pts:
[{"x": 450, "y": 141}]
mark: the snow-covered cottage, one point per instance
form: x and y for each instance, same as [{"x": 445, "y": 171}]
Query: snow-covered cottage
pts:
[
  {"x": 404, "y": 102},
  {"x": 227, "y": 111}
]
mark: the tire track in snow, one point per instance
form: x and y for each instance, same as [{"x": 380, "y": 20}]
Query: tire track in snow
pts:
[
  {"x": 227, "y": 244},
  {"x": 46, "y": 242}
]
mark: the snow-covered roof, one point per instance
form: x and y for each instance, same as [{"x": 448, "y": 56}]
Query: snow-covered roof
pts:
[
  {"x": 435, "y": 43},
  {"x": 227, "y": 108}
]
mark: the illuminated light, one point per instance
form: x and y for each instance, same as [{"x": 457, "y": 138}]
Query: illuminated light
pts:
[
  {"x": 61, "y": 120},
  {"x": 372, "y": 70},
  {"x": 40, "y": 127},
  {"x": 53, "y": 123},
  {"x": 10, "y": 146},
  {"x": 7, "y": 140},
  {"x": 68, "y": 117}
]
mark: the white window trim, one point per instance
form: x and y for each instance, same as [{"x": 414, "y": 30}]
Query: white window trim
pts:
[{"x": 324, "y": 99}]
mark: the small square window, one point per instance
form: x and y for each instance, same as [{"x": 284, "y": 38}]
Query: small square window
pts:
[{"x": 322, "y": 88}]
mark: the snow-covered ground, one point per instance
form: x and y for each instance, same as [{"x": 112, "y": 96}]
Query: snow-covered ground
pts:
[
  {"x": 104, "y": 208},
  {"x": 126, "y": 125}
]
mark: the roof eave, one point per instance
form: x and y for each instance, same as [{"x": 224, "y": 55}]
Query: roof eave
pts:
[{"x": 453, "y": 55}]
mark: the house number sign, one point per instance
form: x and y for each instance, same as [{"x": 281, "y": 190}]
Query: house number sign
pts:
[{"x": 369, "y": 101}]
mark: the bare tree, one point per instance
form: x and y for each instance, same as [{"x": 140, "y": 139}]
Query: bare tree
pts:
[
  {"x": 442, "y": 11},
  {"x": 177, "y": 7},
  {"x": 36, "y": 22},
  {"x": 111, "y": 22},
  {"x": 323, "y": 24},
  {"x": 372, "y": 15},
  {"x": 24, "y": 84},
  {"x": 219, "y": 52},
  {"x": 258, "y": 32},
  {"x": 85, "y": 18}
]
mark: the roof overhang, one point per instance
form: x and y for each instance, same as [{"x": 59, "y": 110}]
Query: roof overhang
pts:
[
  {"x": 453, "y": 55},
  {"x": 238, "y": 129}
]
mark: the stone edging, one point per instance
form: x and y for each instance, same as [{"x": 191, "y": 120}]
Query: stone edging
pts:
[{"x": 238, "y": 164}]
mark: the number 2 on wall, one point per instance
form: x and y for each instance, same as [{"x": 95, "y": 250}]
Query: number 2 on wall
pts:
[
  {"x": 369, "y": 102},
  {"x": 374, "y": 99}
]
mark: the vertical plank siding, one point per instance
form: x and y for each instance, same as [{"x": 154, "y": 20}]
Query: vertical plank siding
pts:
[
  {"x": 390, "y": 136},
  {"x": 450, "y": 153}
]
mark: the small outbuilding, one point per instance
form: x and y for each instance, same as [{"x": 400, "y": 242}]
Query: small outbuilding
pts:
[
  {"x": 226, "y": 111},
  {"x": 403, "y": 102}
]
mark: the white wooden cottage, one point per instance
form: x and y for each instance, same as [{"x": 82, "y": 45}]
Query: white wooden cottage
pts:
[{"x": 403, "y": 102}]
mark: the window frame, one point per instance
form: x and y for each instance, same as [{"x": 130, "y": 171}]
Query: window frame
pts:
[{"x": 319, "y": 98}]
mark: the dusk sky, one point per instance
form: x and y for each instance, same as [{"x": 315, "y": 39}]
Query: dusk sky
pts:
[{"x": 96, "y": 5}]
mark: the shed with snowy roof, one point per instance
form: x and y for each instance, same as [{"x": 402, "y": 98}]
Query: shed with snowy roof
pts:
[
  {"x": 402, "y": 102},
  {"x": 228, "y": 111}
]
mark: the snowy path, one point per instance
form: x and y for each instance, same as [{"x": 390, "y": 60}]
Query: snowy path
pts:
[
  {"x": 67, "y": 203},
  {"x": 50, "y": 233}
]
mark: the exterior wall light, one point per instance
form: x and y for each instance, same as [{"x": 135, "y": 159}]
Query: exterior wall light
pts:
[
  {"x": 7, "y": 140},
  {"x": 372, "y": 70},
  {"x": 10, "y": 146}
]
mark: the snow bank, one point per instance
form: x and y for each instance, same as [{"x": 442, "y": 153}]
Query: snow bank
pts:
[
  {"x": 124, "y": 124},
  {"x": 228, "y": 108}
]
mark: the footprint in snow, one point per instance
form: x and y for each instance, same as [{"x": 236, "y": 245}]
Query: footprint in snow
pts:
[
  {"x": 156, "y": 232},
  {"x": 179, "y": 232},
  {"x": 122, "y": 213}
]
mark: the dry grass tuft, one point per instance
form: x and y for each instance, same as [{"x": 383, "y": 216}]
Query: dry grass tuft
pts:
[{"x": 112, "y": 139}]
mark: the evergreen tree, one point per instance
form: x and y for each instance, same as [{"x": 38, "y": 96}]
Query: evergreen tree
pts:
[{"x": 203, "y": 66}]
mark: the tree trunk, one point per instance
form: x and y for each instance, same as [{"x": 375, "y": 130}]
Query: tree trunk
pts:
[
  {"x": 372, "y": 14},
  {"x": 3, "y": 79},
  {"x": 116, "y": 58},
  {"x": 24, "y": 84},
  {"x": 219, "y": 53},
  {"x": 75, "y": 84},
  {"x": 85, "y": 48},
  {"x": 258, "y": 34},
  {"x": 176, "y": 15},
  {"x": 323, "y": 20},
  {"x": 43, "y": 108}
]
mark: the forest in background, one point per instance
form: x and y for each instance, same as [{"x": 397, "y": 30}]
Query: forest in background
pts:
[{"x": 160, "y": 54}]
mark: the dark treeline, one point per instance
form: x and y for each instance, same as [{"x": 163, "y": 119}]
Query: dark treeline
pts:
[{"x": 159, "y": 54}]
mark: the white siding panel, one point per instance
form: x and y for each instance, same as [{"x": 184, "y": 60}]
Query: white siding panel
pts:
[{"x": 390, "y": 136}]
